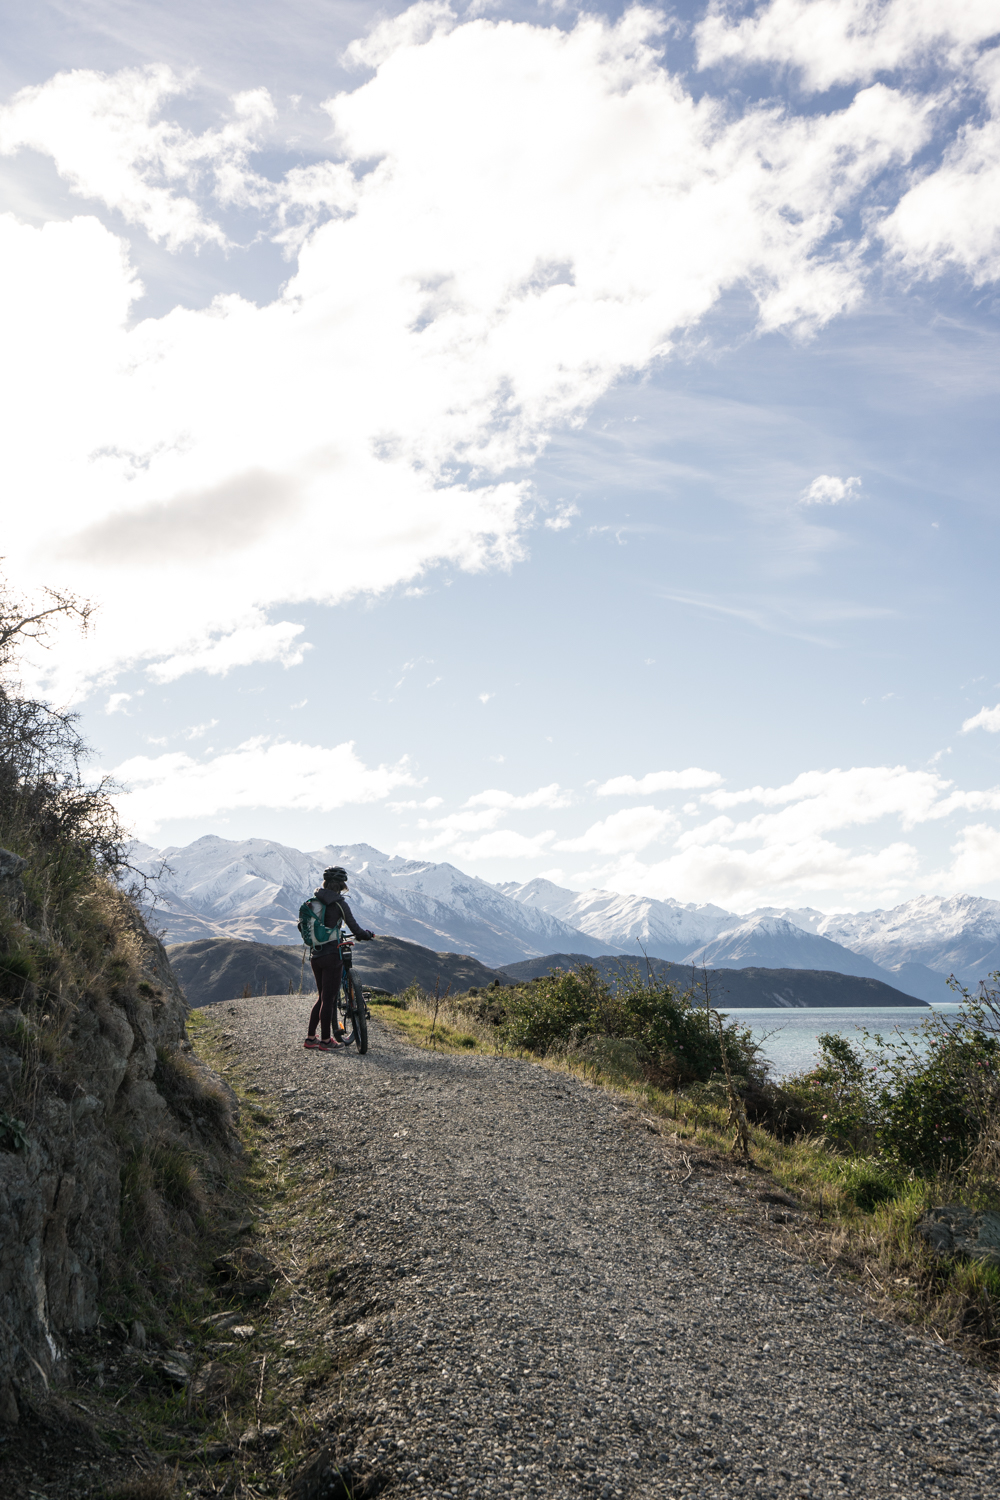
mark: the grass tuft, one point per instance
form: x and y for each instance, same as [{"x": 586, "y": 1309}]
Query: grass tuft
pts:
[{"x": 143, "y": 1487}]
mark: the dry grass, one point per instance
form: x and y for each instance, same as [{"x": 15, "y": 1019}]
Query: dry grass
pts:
[
  {"x": 143, "y": 1487},
  {"x": 439, "y": 1025}
]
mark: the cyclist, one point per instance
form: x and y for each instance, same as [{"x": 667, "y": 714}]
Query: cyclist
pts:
[{"x": 327, "y": 961}]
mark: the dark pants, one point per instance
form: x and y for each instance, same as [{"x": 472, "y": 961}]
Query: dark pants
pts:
[{"x": 328, "y": 968}]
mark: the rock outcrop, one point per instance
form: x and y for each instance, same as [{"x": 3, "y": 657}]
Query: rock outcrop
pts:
[
  {"x": 110, "y": 1132},
  {"x": 954, "y": 1229}
]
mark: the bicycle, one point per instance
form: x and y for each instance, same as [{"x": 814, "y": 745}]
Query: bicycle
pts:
[{"x": 352, "y": 1008}]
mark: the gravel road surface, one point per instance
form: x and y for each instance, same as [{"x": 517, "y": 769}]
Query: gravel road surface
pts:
[{"x": 542, "y": 1305}]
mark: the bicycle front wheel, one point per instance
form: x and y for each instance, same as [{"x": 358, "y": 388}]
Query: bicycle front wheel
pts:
[
  {"x": 351, "y": 1014},
  {"x": 360, "y": 1018}
]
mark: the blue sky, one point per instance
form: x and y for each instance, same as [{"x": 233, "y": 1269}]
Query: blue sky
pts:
[{"x": 572, "y": 451}]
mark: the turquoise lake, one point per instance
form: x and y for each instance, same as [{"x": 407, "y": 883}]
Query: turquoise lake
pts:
[{"x": 789, "y": 1036}]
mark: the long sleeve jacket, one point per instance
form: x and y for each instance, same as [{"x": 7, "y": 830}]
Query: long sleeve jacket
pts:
[{"x": 337, "y": 910}]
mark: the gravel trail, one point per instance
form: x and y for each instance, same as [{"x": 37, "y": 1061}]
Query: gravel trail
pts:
[{"x": 544, "y": 1306}]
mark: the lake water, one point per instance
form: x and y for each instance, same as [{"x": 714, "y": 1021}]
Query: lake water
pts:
[{"x": 789, "y": 1036}]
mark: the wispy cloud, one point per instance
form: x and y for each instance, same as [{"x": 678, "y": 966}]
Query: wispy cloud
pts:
[
  {"x": 658, "y": 781},
  {"x": 631, "y": 829},
  {"x": 563, "y": 519},
  {"x": 546, "y": 796}
]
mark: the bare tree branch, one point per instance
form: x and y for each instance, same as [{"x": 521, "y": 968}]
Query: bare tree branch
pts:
[{"x": 21, "y": 622}]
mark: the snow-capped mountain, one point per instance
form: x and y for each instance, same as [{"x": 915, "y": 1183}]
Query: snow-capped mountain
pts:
[
  {"x": 921, "y": 939},
  {"x": 957, "y": 935},
  {"x": 664, "y": 929},
  {"x": 691, "y": 934},
  {"x": 253, "y": 889},
  {"x": 776, "y": 943}
]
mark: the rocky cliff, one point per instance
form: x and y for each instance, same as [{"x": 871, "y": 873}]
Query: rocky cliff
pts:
[{"x": 112, "y": 1136}]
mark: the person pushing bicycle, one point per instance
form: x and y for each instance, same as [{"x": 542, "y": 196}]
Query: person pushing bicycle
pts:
[{"x": 329, "y": 908}]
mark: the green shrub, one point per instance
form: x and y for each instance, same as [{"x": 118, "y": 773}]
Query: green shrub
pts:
[
  {"x": 932, "y": 1112},
  {"x": 560, "y": 1008},
  {"x": 670, "y": 1040},
  {"x": 870, "y": 1182},
  {"x": 838, "y": 1096},
  {"x": 926, "y": 1101}
]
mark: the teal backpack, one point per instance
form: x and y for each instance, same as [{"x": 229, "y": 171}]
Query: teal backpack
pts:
[{"x": 314, "y": 931}]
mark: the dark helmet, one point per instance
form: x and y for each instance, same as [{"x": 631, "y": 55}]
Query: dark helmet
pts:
[{"x": 335, "y": 875}]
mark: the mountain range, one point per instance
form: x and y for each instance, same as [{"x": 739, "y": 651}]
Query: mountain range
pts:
[{"x": 252, "y": 890}]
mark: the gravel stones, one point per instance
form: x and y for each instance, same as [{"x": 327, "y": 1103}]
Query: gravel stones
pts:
[{"x": 542, "y": 1302}]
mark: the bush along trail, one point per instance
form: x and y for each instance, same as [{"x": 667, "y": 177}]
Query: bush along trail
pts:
[{"x": 502, "y": 1277}]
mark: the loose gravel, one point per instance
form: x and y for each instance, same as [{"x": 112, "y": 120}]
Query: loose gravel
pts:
[{"x": 546, "y": 1299}]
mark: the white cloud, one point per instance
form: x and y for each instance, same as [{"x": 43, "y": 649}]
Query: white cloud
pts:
[
  {"x": 827, "y": 489},
  {"x": 458, "y": 297},
  {"x": 546, "y": 796},
  {"x": 418, "y": 24},
  {"x": 977, "y": 858},
  {"x": 254, "y": 641},
  {"x": 116, "y": 703},
  {"x": 951, "y": 216},
  {"x": 818, "y": 802},
  {"x": 788, "y": 849},
  {"x": 632, "y": 828},
  {"x": 259, "y": 773},
  {"x": 481, "y": 813},
  {"x": 986, "y": 718},
  {"x": 750, "y": 877},
  {"x": 454, "y": 824},
  {"x": 106, "y": 142},
  {"x": 658, "y": 781},
  {"x": 504, "y": 843},
  {"x": 563, "y": 518},
  {"x": 846, "y": 41},
  {"x": 485, "y": 697}
]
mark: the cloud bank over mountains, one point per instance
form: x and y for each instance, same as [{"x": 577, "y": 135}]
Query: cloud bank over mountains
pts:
[
  {"x": 511, "y": 216},
  {"x": 749, "y": 847}
]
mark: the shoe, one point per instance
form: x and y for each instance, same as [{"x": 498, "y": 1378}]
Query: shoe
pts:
[
  {"x": 311, "y": 1041},
  {"x": 330, "y": 1046}
]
